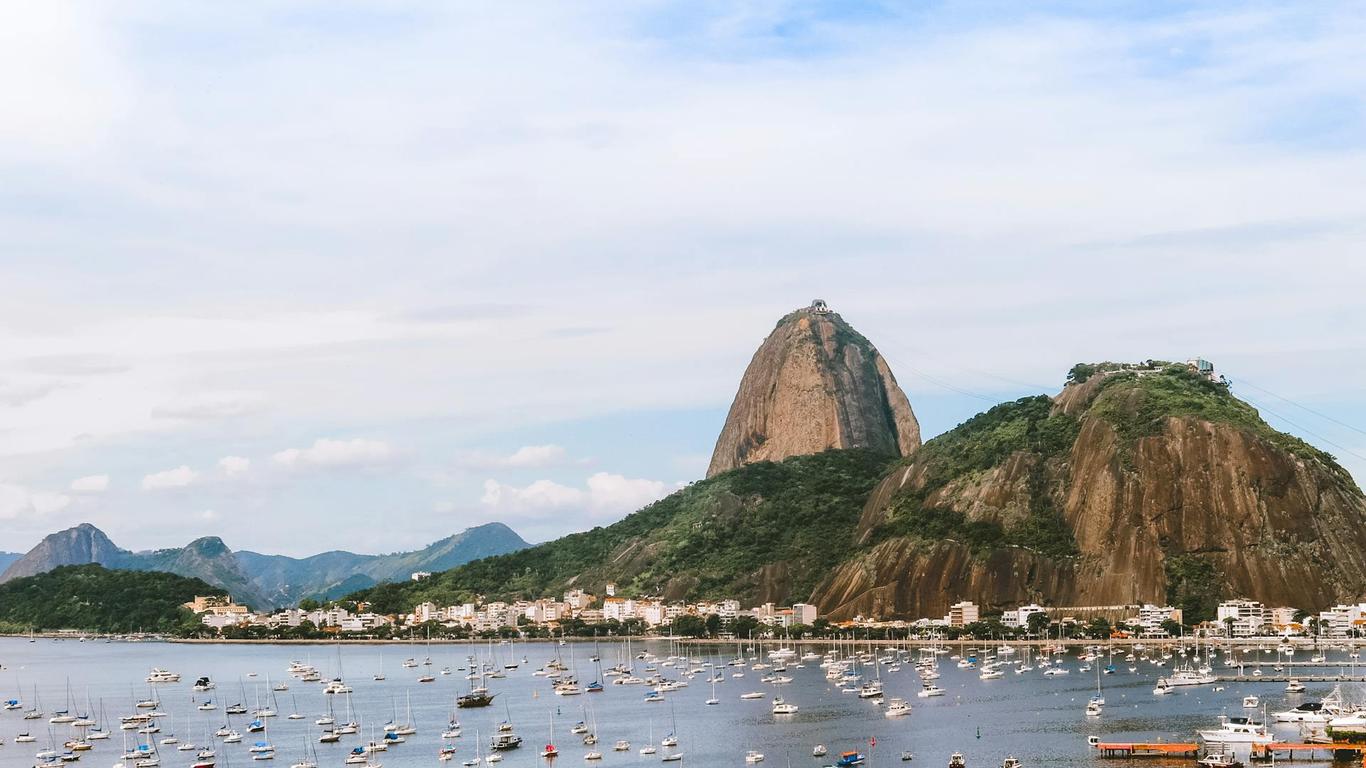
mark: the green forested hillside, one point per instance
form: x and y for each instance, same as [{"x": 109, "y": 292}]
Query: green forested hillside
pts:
[
  {"x": 94, "y": 598},
  {"x": 763, "y": 531}
]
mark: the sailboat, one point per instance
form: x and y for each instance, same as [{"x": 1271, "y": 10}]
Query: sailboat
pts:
[
  {"x": 36, "y": 711},
  {"x": 649, "y": 748},
  {"x": 379, "y": 676},
  {"x": 477, "y": 758},
  {"x": 350, "y": 726},
  {"x": 309, "y": 759},
  {"x": 477, "y": 697},
  {"x": 713, "y": 700},
  {"x": 453, "y": 727},
  {"x": 671, "y": 740},
  {"x": 1093, "y": 707},
  {"x": 550, "y": 750},
  {"x": 263, "y": 750},
  {"x": 405, "y": 728}
]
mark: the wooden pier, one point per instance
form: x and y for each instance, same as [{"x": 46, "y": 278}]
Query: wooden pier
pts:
[
  {"x": 1130, "y": 749},
  {"x": 1337, "y": 750}
]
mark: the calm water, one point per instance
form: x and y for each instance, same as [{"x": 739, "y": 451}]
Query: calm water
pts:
[{"x": 1034, "y": 717}]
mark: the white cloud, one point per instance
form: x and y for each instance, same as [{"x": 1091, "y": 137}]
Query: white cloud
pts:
[
  {"x": 179, "y": 477},
  {"x": 324, "y": 453},
  {"x": 90, "y": 484},
  {"x": 526, "y": 457},
  {"x": 612, "y": 494},
  {"x": 232, "y": 466},
  {"x": 19, "y": 502},
  {"x": 536, "y": 456},
  {"x": 604, "y": 494}
]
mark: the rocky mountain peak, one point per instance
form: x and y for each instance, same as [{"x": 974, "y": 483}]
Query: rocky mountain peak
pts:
[
  {"x": 78, "y": 545},
  {"x": 814, "y": 384}
]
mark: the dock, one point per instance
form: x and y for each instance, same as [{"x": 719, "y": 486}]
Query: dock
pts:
[
  {"x": 1289, "y": 750},
  {"x": 1281, "y": 677},
  {"x": 1130, "y": 749}
]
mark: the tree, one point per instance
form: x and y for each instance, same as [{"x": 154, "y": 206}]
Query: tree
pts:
[
  {"x": 713, "y": 623},
  {"x": 1099, "y": 627},
  {"x": 309, "y": 604},
  {"x": 689, "y": 626},
  {"x": 1037, "y": 623},
  {"x": 1171, "y": 627}
]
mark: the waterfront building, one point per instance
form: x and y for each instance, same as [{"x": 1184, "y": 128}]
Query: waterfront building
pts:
[
  {"x": 962, "y": 614},
  {"x": 1018, "y": 618},
  {"x": 1242, "y": 618}
]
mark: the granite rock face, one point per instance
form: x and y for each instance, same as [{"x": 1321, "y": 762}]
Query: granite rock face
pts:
[
  {"x": 814, "y": 384},
  {"x": 1271, "y": 521}
]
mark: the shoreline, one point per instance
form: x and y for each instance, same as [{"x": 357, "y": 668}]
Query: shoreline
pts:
[{"x": 1296, "y": 643}]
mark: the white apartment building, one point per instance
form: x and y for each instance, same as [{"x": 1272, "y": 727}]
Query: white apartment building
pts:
[
  {"x": 1019, "y": 617},
  {"x": 1150, "y": 618},
  {"x": 1248, "y": 617},
  {"x": 1342, "y": 621}
]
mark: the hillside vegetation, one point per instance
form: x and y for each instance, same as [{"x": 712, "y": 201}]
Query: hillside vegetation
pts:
[
  {"x": 768, "y": 530},
  {"x": 94, "y": 598}
]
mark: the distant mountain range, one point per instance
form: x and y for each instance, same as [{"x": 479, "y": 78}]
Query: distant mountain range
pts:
[
  {"x": 6, "y": 558},
  {"x": 262, "y": 581}
]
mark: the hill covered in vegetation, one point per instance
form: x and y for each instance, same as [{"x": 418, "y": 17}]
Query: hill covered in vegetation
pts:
[
  {"x": 97, "y": 599},
  {"x": 764, "y": 531}
]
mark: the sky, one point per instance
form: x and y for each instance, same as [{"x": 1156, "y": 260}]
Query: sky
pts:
[{"x": 359, "y": 275}]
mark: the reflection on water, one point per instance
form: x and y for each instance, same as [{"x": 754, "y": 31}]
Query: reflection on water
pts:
[{"x": 1036, "y": 718}]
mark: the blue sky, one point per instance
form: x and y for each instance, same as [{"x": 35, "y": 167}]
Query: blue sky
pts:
[{"x": 318, "y": 275}]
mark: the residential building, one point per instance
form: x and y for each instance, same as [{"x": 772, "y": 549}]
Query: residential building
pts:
[
  {"x": 962, "y": 614},
  {"x": 1019, "y": 617},
  {"x": 1242, "y": 618}
]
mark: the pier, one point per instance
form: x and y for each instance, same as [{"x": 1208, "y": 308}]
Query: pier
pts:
[
  {"x": 1289, "y": 750},
  {"x": 1281, "y": 677},
  {"x": 1131, "y": 749}
]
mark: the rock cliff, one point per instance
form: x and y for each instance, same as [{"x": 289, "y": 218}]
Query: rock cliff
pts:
[
  {"x": 814, "y": 384},
  {"x": 1126, "y": 488}
]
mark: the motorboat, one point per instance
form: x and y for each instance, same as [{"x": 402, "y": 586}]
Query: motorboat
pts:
[
  {"x": 1251, "y": 702},
  {"x": 781, "y": 707},
  {"x": 1294, "y": 686},
  {"x": 956, "y": 760},
  {"x": 1237, "y": 730},
  {"x": 1220, "y": 759},
  {"x": 506, "y": 740},
  {"x": 897, "y": 708},
  {"x": 754, "y": 756}
]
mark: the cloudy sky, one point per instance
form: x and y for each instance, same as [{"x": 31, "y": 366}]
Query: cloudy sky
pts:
[{"x": 326, "y": 275}]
